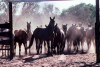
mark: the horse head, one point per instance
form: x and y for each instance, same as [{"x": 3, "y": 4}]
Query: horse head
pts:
[
  {"x": 52, "y": 22},
  {"x": 64, "y": 27},
  {"x": 28, "y": 27}
]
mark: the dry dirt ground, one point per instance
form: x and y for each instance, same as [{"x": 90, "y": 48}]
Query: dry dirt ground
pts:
[{"x": 64, "y": 60}]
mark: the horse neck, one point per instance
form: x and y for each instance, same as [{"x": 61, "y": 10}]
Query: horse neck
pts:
[
  {"x": 28, "y": 30},
  {"x": 64, "y": 30},
  {"x": 58, "y": 30},
  {"x": 50, "y": 29}
]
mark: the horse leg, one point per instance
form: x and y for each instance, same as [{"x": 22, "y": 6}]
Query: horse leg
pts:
[
  {"x": 88, "y": 43},
  {"x": 40, "y": 45},
  {"x": 82, "y": 46},
  {"x": 63, "y": 46},
  {"x": 71, "y": 43},
  {"x": 37, "y": 46},
  {"x": 58, "y": 47},
  {"x": 54, "y": 46},
  {"x": 14, "y": 48},
  {"x": 52, "y": 41},
  {"x": 93, "y": 42},
  {"x": 77, "y": 46},
  {"x": 48, "y": 47},
  {"x": 19, "y": 49},
  {"x": 45, "y": 45},
  {"x": 67, "y": 46},
  {"x": 25, "y": 45}
]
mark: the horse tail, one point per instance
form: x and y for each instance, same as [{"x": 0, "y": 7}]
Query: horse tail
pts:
[{"x": 31, "y": 42}]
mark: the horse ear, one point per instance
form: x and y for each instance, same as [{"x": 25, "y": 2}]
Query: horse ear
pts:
[
  {"x": 27, "y": 22},
  {"x": 30, "y": 22},
  {"x": 75, "y": 24},
  {"x": 54, "y": 17},
  {"x": 50, "y": 18},
  {"x": 56, "y": 24},
  {"x": 72, "y": 24},
  {"x": 45, "y": 25},
  {"x": 66, "y": 24}
]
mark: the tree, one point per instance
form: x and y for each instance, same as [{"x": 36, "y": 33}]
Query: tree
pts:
[
  {"x": 80, "y": 13},
  {"x": 4, "y": 11}
]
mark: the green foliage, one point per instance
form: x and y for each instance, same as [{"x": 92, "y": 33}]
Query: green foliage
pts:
[{"x": 85, "y": 13}]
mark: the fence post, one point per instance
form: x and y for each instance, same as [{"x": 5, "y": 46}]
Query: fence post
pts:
[
  {"x": 11, "y": 35},
  {"x": 96, "y": 33}
]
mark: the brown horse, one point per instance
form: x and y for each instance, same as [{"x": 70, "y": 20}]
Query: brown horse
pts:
[
  {"x": 29, "y": 34},
  {"x": 59, "y": 40},
  {"x": 90, "y": 35},
  {"x": 44, "y": 34},
  {"x": 29, "y": 31},
  {"x": 70, "y": 36},
  {"x": 79, "y": 37},
  {"x": 20, "y": 37},
  {"x": 64, "y": 27}
]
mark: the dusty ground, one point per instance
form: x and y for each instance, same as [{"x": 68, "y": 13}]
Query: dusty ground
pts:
[
  {"x": 64, "y": 60},
  {"x": 55, "y": 61}
]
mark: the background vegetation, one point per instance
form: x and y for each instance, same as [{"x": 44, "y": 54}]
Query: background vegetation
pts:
[{"x": 39, "y": 15}]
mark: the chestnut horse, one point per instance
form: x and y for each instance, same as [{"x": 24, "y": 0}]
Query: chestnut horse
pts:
[{"x": 20, "y": 37}]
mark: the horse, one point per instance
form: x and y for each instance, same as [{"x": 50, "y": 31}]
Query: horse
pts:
[
  {"x": 64, "y": 27},
  {"x": 29, "y": 31},
  {"x": 90, "y": 35},
  {"x": 79, "y": 37},
  {"x": 20, "y": 37},
  {"x": 42, "y": 41},
  {"x": 59, "y": 41},
  {"x": 29, "y": 34},
  {"x": 44, "y": 34},
  {"x": 70, "y": 36}
]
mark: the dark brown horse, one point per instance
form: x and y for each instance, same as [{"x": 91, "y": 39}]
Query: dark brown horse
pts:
[
  {"x": 59, "y": 40},
  {"x": 20, "y": 37},
  {"x": 42, "y": 41},
  {"x": 44, "y": 34}
]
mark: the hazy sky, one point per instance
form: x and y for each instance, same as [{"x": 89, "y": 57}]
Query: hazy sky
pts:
[
  {"x": 60, "y": 4},
  {"x": 66, "y": 4}
]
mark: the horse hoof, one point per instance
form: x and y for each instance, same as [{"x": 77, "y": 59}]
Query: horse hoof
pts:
[
  {"x": 54, "y": 52},
  {"x": 14, "y": 54}
]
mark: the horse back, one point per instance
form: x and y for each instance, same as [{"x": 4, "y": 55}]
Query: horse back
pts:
[
  {"x": 42, "y": 33},
  {"x": 20, "y": 36}
]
